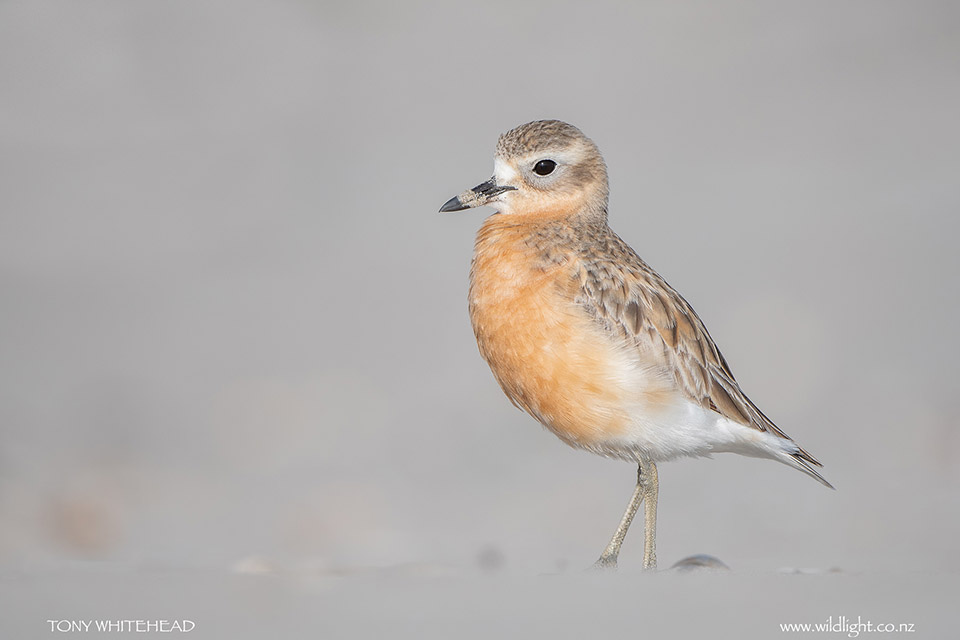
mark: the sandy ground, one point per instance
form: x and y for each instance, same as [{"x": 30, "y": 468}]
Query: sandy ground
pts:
[
  {"x": 234, "y": 338},
  {"x": 435, "y": 602}
]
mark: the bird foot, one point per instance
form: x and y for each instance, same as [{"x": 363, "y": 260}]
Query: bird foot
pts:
[{"x": 605, "y": 563}]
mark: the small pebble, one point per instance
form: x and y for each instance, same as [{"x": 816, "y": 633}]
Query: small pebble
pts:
[{"x": 699, "y": 562}]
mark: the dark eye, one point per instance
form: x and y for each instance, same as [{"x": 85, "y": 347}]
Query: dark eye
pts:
[{"x": 544, "y": 167}]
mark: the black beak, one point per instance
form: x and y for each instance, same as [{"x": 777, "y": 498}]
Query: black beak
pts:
[
  {"x": 479, "y": 195},
  {"x": 453, "y": 204}
]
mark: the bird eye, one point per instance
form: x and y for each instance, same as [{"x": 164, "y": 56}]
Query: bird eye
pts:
[{"x": 544, "y": 167}]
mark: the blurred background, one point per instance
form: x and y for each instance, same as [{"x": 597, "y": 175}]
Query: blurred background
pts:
[{"x": 233, "y": 328}]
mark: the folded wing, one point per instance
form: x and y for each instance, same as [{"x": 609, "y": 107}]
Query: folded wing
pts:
[{"x": 626, "y": 296}]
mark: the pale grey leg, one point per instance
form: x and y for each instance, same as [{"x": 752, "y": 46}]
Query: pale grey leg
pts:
[
  {"x": 652, "y": 485},
  {"x": 647, "y": 488},
  {"x": 608, "y": 559}
]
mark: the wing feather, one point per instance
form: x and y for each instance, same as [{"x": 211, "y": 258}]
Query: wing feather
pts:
[{"x": 625, "y": 295}]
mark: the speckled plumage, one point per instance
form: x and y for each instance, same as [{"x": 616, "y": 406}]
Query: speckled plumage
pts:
[{"x": 586, "y": 337}]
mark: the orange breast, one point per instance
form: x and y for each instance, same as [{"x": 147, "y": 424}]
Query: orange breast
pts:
[{"x": 549, "y": 356}]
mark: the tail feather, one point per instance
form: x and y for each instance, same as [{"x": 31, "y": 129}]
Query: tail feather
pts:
[{"x": 803, "y": 461}]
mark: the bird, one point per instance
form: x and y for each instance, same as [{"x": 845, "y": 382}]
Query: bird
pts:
[{"x": 587, "y": 338}]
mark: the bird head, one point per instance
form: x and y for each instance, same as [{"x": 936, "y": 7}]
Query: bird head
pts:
[{"x": 545, "y": 168}]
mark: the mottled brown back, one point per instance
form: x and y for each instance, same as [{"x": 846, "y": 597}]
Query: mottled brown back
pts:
[{"x": 629, "y": 298}]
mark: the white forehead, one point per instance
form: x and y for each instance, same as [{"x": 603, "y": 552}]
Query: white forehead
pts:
[{"x": 504, "y": 173}]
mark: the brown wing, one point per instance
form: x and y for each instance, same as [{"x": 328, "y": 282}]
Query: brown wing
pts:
[{"x": 623, "y": 293}]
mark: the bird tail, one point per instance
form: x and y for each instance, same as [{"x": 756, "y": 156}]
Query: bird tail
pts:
[{"x": 802, "y": 461}]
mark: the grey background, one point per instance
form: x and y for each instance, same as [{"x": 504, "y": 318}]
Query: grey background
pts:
[{"x": 237, "y": 378}]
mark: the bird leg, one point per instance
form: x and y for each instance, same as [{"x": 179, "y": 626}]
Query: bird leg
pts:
[
  {"x": 647, "y": 489},
  {"x": 652, "y": 486}
]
